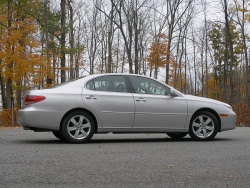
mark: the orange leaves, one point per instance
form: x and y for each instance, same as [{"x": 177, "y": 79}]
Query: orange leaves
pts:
[
  {"x": 20, "y": 55},
  {"x": 213, "y": 87},
  {"x": 158, "y": 51},
  {"x": 160, "y": 56},
  {"x": 243, "y": 114},
  {"x": 6, "y": 119},
  {"x": 18, "y": 49}
]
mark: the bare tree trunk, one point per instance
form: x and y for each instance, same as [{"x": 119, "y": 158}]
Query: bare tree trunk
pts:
[
  {"x": 92, "y": 47},
  {"x": 170, "y": 32},
  {"x": 156, "y": 69},
  {"x": 63, "y": 39},
  {"x": 19, "y": 94},
  {"x": 185, "y": 65},
  {"x": 9, "y": 89},
  {"x": 178, "y": 57},
  {"x": 206, "y": 64},
  {"x": 136, "y": 35},
  {"x": 248, "y": 76},
  {"x": 110, "y": 40},
  {"x": 71, "y": 40},
  {"x": 49, "y": 78},
  {"x": 78, "y": 53},
  {"x": 54, "y": 75},
  {"x": 172, "y": 8},
  {"x": 205, "y": 57},
  {"x": 230, "y": 46},
  {"x": 246, "y": 62},
  {"x": 123, "y": 59},
  {"x": 195, "y": 73},
  {"x": 3, "y": 91},
  {"x": 202, "y": 64},
  {"x": 225, "y": 69},
  {"x": 180, "y": 64},
  {"x": 117, "y": 53}
]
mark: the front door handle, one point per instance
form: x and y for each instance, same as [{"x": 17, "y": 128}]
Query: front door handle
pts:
[
  {"x": 141, "y": 99},
  {"x": 91, "y": 97}
]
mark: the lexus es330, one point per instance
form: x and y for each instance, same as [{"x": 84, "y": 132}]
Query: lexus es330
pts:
[{"x": 122, "y": 103}]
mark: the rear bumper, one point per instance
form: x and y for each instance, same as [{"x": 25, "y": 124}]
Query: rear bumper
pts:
[{"x": 36, "y": 120}]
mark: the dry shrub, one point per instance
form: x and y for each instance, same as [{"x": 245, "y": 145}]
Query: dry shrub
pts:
[
  {"x": 243, "y": 114},
  {"x": 6, "y": 118}
]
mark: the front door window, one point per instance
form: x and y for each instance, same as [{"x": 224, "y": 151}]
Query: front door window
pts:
[{"x": 148, "y": 86}]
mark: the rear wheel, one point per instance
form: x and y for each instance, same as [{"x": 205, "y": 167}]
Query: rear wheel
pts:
[
  {"x": 177, "y": 136},
  {"x": 203, "y": 126},
  {"x": 58, "y": 135},
  {"x": 78, "y": 127}
]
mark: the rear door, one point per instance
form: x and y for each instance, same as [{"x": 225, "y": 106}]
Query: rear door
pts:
[{"x": 109, "y": 98}]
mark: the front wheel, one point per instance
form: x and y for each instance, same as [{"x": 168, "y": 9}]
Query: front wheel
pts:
[
  {"x": 78, "y": 127},
  {"x": 203, "y": 126},
  {"x": 176, "y": 136}
]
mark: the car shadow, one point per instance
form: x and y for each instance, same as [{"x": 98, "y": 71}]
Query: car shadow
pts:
[
  {"x": 137, "y": 140},
  {"x": 120, "y": 140},
  {"x": 143, "y": 140}
]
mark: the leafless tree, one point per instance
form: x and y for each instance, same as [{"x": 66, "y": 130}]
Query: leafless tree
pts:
[
  {"x": 240, "y": 20},
  {"x": 173, "y": 6}
]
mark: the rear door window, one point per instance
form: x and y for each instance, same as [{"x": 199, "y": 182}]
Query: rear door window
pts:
[{"x": 110, "y": 83}]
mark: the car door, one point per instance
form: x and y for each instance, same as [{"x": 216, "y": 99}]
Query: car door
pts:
[
  {"x": 155, "y": 108},
  {"x": 109, "y": 98}
]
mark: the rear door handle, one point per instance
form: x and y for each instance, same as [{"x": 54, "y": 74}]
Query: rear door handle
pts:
[
  {"x": 141, "y": 99},
  {"x": 91, "y": 97}
]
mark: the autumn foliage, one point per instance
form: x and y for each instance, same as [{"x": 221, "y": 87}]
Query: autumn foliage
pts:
[
  {"x": 22, "y": 65},
  {"x": 43, "y": 44},
  {"x": 242, "y": 111},
  {"x": 158, "y": 53},
  {"x": 20, "y": 57},
  {"x": 6, "y": 118}
]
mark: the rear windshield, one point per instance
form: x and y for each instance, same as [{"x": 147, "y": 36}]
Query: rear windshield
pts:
[{"x": 67, "y": 82}]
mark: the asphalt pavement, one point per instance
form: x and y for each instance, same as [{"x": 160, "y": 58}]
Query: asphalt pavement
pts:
[{"x": 29, "y": 159}]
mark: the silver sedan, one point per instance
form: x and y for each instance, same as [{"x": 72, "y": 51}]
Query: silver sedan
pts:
[{"x": 122, "y": 103}]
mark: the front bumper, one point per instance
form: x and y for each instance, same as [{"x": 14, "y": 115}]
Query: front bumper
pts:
[{"x": 228, "y": 122}]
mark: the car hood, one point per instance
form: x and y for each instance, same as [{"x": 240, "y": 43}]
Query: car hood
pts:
[{"x": 203, "y": 99}]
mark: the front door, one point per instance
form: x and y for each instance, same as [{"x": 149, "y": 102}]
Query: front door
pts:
[{"x": 155, "y": 108}]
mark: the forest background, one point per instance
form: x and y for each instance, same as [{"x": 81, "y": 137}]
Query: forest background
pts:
[{"x": 201, "y": 47}]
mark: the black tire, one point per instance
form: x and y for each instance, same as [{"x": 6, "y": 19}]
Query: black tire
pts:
[
  {"x": 58, "y": 135},
  {"x": 203, "y": 126},
  {"x": 177, "y": 136},
  {"x": 78, "y": 127}
]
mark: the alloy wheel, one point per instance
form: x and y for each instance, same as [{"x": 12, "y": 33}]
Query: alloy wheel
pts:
[
  {"x": 203, "y": 126},
  {"x": 78, "y": 127}
]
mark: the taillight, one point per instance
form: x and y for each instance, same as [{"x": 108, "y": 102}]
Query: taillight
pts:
[{"x": 31, "y": 99}]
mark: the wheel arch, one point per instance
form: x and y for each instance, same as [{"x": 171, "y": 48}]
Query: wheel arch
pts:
[
  {"x": 207, "y": 110},
  {"x": 83, "y": 110}
]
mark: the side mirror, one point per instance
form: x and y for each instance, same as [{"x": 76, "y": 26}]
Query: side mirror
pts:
[{"x": 173, "y": 93}]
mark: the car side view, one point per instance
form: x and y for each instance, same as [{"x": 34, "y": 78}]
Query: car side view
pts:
[{"x": 122, "y": 103}]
